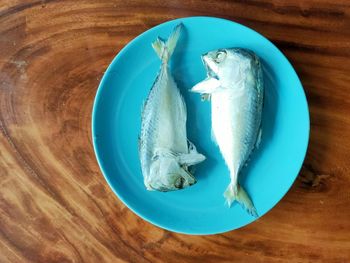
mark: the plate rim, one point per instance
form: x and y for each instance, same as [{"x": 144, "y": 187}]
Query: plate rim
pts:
[{"x": 94, "y": 114}]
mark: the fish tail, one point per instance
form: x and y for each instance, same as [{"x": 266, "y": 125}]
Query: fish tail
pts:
[
  {"x": 165, "y": 49},
  {"x": 237, "y": 193}
]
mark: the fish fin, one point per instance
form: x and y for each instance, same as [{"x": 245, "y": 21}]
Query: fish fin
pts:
[
  {"x": 192, "y": 157},
  {"x": 173, "y": 38},
  {"x": 142, "y": 106},
  {"x": 139, "y": 144},
  {"x": 163, "y": 152},
  {"x": 189, "y": 159},
  {"x": 164, "y": 49},
  {"x": 158, "y": 46},
  {"x": 143, "y": 109},
  {"x": 182, "y": 110},
  {"x": 206, "y": 86},
  {"x": 185, "y": 159},
  {"x": 237, "y": 193},
  {"x": 258, "y": 139},
  {"x": 213, "y": 138}
]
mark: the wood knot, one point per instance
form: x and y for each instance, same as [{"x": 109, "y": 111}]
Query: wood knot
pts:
[{"x": 312, "y": 180}]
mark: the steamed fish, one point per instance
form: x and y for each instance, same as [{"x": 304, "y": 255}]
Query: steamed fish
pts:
[
  {"x": 235, "y": 87},
  {"x": 165, "y": 152}
]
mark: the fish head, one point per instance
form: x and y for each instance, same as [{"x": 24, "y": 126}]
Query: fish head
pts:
[
  {"x": 214, "y": 61},
  {"x": 166, "y": 174},
  {"x": 227, "y": 65}
]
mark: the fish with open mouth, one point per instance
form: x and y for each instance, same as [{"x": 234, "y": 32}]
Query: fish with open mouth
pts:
[
  {"x": 234, "y": 85},
  {"x": 165, "y": 152}
]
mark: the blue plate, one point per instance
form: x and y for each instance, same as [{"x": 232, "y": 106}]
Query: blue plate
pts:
[{"x": 199, "y": 209}]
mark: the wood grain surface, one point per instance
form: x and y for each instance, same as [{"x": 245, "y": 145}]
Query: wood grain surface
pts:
[{"x": 55, "y": 205}]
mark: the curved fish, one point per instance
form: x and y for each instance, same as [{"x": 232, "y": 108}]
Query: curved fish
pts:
[
  {"x": 165, "y": 152},
  {"x": 235, "y": 87}
]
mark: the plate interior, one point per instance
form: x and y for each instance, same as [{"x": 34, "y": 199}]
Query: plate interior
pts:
[{"x": 199, "y": 209}]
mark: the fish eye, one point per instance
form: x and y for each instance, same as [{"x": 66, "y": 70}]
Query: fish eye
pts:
[{"x": 220, "y": 56}]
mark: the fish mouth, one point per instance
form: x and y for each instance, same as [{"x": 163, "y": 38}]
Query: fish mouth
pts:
[
  {"x": 210, "y": 72},
  {"x": 181, "y": 182},
  {"x": 205, "y": 62}
]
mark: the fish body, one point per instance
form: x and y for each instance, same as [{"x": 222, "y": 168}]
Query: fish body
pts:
[
  {"x": 165, "y": 152},
  {"x": 235, "y": 88}
]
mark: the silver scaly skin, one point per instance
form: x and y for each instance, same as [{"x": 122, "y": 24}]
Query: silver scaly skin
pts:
[
  {"x": 235, "y": 87},
  {"x": 165, "y": 152}
]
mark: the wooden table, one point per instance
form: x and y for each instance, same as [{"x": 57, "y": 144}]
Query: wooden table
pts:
[{"x": 55, "y": 205}]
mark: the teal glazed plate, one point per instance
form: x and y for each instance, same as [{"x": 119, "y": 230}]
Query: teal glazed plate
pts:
[{"x": 199, "y": 209}]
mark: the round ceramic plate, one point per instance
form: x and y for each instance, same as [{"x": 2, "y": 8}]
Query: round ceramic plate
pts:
[{"x": 199, "y": 209}]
